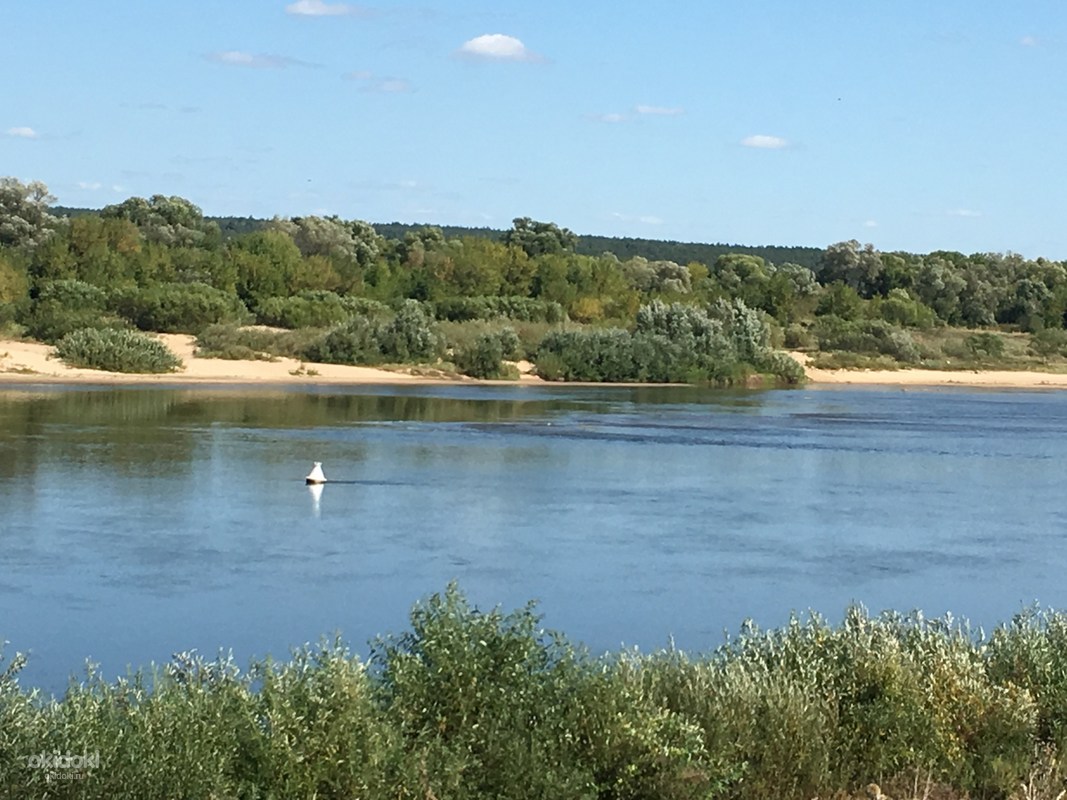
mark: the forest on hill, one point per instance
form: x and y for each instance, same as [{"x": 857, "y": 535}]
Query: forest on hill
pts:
[{"x": 581, "y": 308}]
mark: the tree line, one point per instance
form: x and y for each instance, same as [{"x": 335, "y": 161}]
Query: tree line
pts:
[{"x": 158, "y": 263}]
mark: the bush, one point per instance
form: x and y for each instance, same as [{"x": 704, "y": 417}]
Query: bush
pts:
[
  {"x": 482, "y": 359},
  {"x": 984, "y": 344},
  {"x": 230, "y": 341},
  {"x": 783, "y": 367},
  {"x": 526, "y": 309},
  {"x": 178, "y": 307},
  {"x": 899, "y": 308},
  {"x": 866, "y": 336},
  {"x": 65, "y": 306},
  {"x": 316, "y": 309},
  {"x": 407, "y": 337},
  {"x": 487, "y": 704},
  {"x": 116, "y": 351},
  {"x": 1049, "y": 342},
  {"x": 798, "y": 337}
]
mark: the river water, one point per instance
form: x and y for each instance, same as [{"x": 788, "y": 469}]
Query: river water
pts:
[{"x": 136, "y": 522}]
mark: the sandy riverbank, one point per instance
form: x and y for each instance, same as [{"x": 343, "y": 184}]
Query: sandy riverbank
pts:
[
  {"x": 1004, "y": 379},
  {"x": 30, "y": 362}
]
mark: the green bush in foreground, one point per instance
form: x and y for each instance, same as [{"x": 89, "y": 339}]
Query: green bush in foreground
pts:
[
  {"x": 116, "y": 351},
  {"x": 471, "y": 705}
]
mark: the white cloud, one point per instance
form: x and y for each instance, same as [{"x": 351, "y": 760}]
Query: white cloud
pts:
[
  {"x": 612, "y": 119},
  {"x": 22, "y": 132},
  {"x": 871, "y": 223},
  {"x": 90, "y": 186},
  {"x": 497, "y": 47},
  {"x": 964, "y": 212},
  {"x": 317, "y": 8},
  {"x": 764, "y": 142},
  {"x": 1029, "y": 41},
  {"x": 240, "y": 58},
  {"x": 660, "y": 111}
]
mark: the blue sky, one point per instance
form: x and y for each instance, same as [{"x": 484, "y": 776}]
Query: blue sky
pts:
[{"x": 913, "y": 125}]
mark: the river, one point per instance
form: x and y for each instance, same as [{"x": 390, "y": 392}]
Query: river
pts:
[{"x": 136, "y": 522}]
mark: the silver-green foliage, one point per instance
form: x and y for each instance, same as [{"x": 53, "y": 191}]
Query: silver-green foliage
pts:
[
  {"x": 407, "y": 337},
  {"x": 487, "y": 704},
  {"x": 116, "y": 351},
  {"x": 25, "y": 221}
]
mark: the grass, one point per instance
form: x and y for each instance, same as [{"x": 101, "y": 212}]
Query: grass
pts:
[{"x": 488, "y": 704}]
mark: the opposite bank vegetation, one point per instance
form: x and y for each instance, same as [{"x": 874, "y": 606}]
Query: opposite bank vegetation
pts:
[
  {"x": 473, "y": 304},
  {"x": 470, "y": 704}
]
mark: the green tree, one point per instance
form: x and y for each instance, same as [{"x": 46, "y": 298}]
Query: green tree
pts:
[
  {"x": 840, "y": 300},
  {"x": 168, "y": 220},
  {"x": 266, "y": 264},
  {"x": 540, "y": 238},
  {"x": 25, "y": 220},
  {"x": 859, "y": 267}
]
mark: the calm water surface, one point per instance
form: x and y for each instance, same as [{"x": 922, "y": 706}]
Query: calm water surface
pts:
[{"x": 136, "y": 522}]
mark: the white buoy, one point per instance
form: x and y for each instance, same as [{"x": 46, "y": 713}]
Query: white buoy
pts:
[{"x": 315, "y": 476}]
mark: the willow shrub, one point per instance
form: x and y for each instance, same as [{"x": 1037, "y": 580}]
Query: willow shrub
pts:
[
  {"x": 470, "y": 704},
  {"x": 407, "y": 337},
  {"x": 177, "y": 307},
  {"x": 316, "y": 309},
  {"x": 63, "y": 306},
  {"x": 483, "y": 357},
  {"x": 525, "y": 309},
  {"x": 116, "y": 351}
]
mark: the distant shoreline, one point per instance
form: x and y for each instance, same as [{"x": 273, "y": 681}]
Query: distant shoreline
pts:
[
  {"x": 989, "y": 379},
  {"x": 24, "y": 362}
]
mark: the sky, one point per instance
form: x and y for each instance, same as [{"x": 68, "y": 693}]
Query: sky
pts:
[{"x": 914, "y": 125}]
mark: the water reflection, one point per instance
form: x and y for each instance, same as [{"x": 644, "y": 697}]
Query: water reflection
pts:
[{"x": 315, "y": 491}]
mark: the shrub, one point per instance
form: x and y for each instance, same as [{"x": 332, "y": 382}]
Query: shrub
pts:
[
  {"x": 487, "y": 704},
  {"x": 984, "y": 344},
  {"x": 482, "y": 359},
  {"x": 865, "y": 336},
  {"x": 116, "y": 351},
  {"x": 798, "y": 337},
  {"x": 68, "y": 305},
  {"x": 178, "y": 307},
  {"x": 899, "y": 308},
  {"x": 315, "y": 309},
  {"x": 510, "y": 343},
  {"x": 1049, "y": 342},
  {"x": 783, "y": 367},
  {"x": 355, "y": 342},
  {"x": 526, "y": 309},
  {"x": 407, "y": 337},
  {"x": 230, "y": 341}
]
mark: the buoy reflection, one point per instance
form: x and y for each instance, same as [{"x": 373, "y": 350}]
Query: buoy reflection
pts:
[{"x": 315, "y": 490}]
